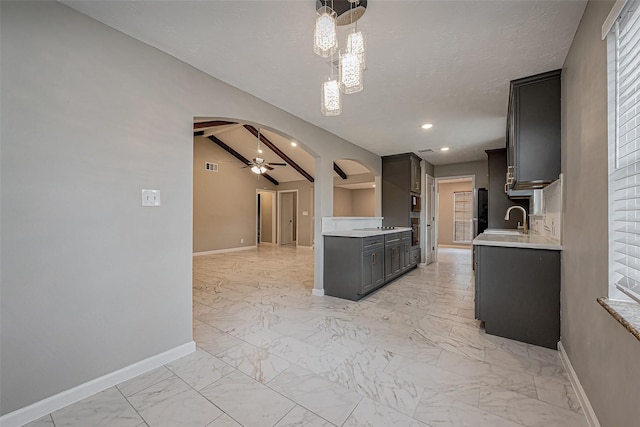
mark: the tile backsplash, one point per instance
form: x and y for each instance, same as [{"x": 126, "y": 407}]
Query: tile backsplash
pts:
[{"x": 547, "y": 218}]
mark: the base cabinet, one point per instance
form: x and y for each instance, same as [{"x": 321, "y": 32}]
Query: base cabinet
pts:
[
  {"x": 518, "y": 293},
  {"x": 355, "y": 267},
  {"x": 372, "y": 265}
]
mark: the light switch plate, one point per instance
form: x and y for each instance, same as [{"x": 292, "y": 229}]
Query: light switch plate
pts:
[{"x": 150, "y": 197}]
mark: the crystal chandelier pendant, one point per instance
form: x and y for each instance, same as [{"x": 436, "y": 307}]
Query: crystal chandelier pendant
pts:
[
  {"x": 331, "y": 98},
  {"x": 350, "y": 73},
  {"x": 356, "y": 44},
  {"x": 325, "y": 39}
]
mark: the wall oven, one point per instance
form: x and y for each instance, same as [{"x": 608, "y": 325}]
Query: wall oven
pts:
[
  {"x": 415, "y": 231},
  {"x": 415, "y": 203}
]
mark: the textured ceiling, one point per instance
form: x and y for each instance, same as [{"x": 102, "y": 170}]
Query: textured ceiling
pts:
[{"x": 444, "y": 62}]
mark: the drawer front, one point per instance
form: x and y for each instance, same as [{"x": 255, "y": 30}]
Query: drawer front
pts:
[
  {"x": 392, "y": 237},
  {"x": 405, "y": 235},
  {"x": 372, "y": 242}
]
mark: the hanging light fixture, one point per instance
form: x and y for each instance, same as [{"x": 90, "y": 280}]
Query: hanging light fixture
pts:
[
  {"x": 325, "y": 38},
  {"x": 351, "y": 61},
  {"x": 350, "y": 73},
  {"x": 356, "y": 44},
  {"x": 331, "y": 98}
]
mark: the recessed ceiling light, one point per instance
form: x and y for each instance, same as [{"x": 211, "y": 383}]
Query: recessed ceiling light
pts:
[
  {"x": 293, "y": 144},
  {"x": 444, "y": 149},
  {"x": 426, "y": 126},
  {"x": 374, "y": 186},
  {"x": 259, "y": 150}
]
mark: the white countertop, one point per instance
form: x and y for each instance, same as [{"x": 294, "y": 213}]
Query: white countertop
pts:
[
  {"x": 364, "y": 233},
  {"x": 531, "y": 241}
]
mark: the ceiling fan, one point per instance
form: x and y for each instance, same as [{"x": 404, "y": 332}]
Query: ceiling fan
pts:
[{"x": 259, "y": 165}]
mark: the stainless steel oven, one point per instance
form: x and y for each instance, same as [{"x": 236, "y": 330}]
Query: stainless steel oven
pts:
[{"x": 415, "y": 231}]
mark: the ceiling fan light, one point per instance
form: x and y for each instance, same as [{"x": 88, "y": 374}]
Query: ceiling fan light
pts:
[
  {"x": 356, "y": 44},
  {"x": 350, "y": 73},
  {"x": 331, "y": 98},
  {"x": 256, "y": 170},
  {"x": 325, "y": 40}
]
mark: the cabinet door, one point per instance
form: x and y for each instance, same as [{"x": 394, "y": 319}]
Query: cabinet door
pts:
[
  {"x": 392, "y": 260},
  {"x": 415, "y": 175},
  {"x": 372, "y": 269},
  {"x": 406, "y": 255}
]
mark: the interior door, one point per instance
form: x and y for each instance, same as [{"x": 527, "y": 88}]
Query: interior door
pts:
[
  {"x": 286, "y": 218},
  {"x": 431, "y": 218}
]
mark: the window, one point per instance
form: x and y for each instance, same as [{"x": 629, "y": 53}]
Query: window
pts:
[
  {"x": 462, "y": 217},
  {"x": 624, "y": 154}
]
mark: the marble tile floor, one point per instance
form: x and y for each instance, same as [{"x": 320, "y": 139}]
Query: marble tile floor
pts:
[{"x": 270, "y": 354}]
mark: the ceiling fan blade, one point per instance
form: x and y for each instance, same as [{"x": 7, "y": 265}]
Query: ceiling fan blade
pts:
[
  {"x": 277, "y": 164},
  {"x": 267, "y": 166}
]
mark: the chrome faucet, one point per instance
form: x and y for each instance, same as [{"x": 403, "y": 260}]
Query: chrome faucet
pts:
[{"x": 524, "y": 227}]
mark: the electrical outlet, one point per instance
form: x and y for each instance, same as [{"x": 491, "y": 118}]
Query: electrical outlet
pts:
[
  {"x": 241, "y": 240},
  {"x": 150, "y": 197}
]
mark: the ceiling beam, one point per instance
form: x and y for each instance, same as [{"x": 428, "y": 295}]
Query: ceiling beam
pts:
[
  {"x": 198, "y": 133},
  {"x": 280, "y": 154},
  {"x": 240, "y": 157},
  {"x": 211, "y": 123},
  {"x": 339, "y": 171}
]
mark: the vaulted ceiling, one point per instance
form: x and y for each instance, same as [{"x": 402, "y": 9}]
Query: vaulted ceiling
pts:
[
  {"x": 241, "y": 138},
  {"x": 443, "y": 62}
]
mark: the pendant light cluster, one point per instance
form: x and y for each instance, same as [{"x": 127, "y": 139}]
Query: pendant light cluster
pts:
[{"x": 351, "y": 59}]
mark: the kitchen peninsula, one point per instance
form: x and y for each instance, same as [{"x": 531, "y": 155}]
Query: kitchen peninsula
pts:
[
  {"x": 359, "y": 261},
  {"x": 518, "y": 286}
]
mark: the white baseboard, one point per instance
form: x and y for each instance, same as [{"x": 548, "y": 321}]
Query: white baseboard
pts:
[
  {"x": 317, "y": 292},
  {"x": 304, "y": 247},
  {"x": 58, "y": 401},
  {"x": 221, "y": 251},
  {"x": 589, "y": 413}
]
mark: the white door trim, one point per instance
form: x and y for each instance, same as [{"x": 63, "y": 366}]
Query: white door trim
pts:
[
  {"x": 280, "y": 211},
  {"x": 475, "y": 197},
  {"x": 273, "y": 215}
]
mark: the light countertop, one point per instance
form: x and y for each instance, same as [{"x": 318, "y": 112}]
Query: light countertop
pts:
[
  {"x": 364, "y": 232},
  {"x": 531, "y": 241}
]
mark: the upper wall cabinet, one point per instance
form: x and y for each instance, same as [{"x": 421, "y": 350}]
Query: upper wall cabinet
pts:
[
  {"x": 400, "y": 180},
  {"x": 533, "y": 131}
]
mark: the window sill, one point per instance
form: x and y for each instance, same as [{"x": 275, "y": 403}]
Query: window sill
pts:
[{"x": 626, "y": 313}]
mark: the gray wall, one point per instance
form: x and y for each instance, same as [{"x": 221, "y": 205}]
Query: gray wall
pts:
[
  {"x": 363, "y": 202},
  {"x": 604, "y": 355},
  {"x": 91, "y": 281},
  {"x": 445, "y": 211},
  {"x": 341, "y": 201},
  {"x": 266, "y": 217},
  {"x": 480, "y": 169},
  {"x": 224, "y": 202},
  {"x": 305, "y": 204}
]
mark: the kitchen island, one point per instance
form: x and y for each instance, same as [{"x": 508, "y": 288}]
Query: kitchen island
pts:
[
  {"x": 517, "y": 281},
  {"x": 357, "y": 262}
]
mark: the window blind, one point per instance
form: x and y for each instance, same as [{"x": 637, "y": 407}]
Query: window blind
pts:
[
  {"x": 462, "y": 217},
  {"x": 624, "y": 179}
]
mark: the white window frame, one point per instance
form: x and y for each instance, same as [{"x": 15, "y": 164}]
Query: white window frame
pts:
[
  {"x": 610, "y": 32},
  {"x": 469, "y": 196}
]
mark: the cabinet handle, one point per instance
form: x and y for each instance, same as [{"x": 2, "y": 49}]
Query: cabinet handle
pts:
[{"x": 373, "y": 259}]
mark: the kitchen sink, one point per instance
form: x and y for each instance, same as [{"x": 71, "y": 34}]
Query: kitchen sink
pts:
[{"x": 501, "y": 231}]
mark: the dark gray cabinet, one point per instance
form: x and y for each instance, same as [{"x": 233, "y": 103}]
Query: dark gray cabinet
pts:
[
  {"x": 518, "y": 293},
  {"x": 498, "y": 200},
  {"x": 392, "y": 255},
  {"x": 355, "y": 267},
  {"x": 400, "y": 179},
  {"x": 372, "y": 264},
  {"x": 415, "y": 174},
  {"x": 533, "y": 131}
]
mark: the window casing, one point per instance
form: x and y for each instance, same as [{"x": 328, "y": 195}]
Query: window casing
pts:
[
  {"x": 462, "y": 217},
  {"x": 624, "y": 154}
]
